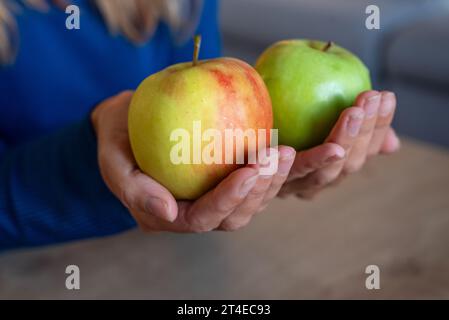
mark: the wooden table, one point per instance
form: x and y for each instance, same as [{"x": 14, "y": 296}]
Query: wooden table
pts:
[{"x": 394, "y": 214}]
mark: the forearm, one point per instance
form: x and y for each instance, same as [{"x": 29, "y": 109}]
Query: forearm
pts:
[{"x": 51, "y": 191}]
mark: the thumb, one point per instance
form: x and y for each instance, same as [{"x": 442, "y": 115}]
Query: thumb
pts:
[
  {"x": 135, "y": 189},
  {"x": 140, "y": 192}
]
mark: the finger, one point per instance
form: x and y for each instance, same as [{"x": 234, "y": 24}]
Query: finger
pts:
[
  {"x": 384, "y": 119},
  {"x": 309, "y": 185},
  {"x": 121, "y": 99},
  {"x": 370, "y": 102},
  {"x": 119, "y": 170},
  {"x": 287, "y": 157},
  {"x": 210, "y": 210},
  {"x": 316, "y": 158},
  {"x": 113, "y": 112},
  {"x": 361, "y": 98},
  {"x": 244, "y": 212},
  {"x": 391, "y": 143},
  {"x": 347, "y": 128},
  {"x": 345, "y": 134}
]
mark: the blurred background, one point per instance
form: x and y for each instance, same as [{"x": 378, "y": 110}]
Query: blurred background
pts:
[
  {"x": 409, "y": 54},
  {"x": 394, "y": 214}
]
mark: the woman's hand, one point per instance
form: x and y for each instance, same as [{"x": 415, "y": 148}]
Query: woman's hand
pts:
[
  {"x": 361, "y": 132},
  {"x": 229, "y": 206}
]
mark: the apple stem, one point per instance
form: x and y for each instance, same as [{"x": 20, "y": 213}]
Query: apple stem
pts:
[
  {"x": 196, "y": 50},
  {"x": 327, "y": 46}
]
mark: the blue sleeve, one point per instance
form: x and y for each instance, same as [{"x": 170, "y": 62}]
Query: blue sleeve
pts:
[
  {"x": 51, "y": 191},
  {"x": 209, "y": 29}
]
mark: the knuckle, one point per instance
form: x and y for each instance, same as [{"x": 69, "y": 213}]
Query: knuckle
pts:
[
  {"x": 365, "y": 130},
  {"x": 382, "y": 125},
  {"x": 197, "y": 225},
  {"x": 223, "y": 207},
  {"x": 346, "y": 144},
  {"x": 347, "y": 112},
  {"x": 257, "y": 193},
  {"x": 233, "y": 224},
  {"x": 302, "y": 168},
  {"x": 307, "y": 166},
  {"x": 320, "y": 180},
  {"x": 201, "y": 229},
  {"x": 126, "y": 198}
]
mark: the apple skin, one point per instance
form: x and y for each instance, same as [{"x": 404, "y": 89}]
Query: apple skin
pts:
[
  {"x": 309, "y": 88},
  {"x": 222, "y": 93}
]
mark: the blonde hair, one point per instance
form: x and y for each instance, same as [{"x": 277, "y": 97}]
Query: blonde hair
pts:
[{"x": 135, "y": 19}]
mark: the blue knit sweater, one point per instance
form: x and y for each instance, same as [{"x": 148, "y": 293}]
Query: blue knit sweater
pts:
[{"x": 50, "y": 187}]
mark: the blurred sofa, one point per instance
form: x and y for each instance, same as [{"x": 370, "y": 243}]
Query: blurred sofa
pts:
[{"x": 408, "y": 54}]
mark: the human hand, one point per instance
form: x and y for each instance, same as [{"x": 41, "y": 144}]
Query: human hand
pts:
[
  {"x": 361, "y": 132},
  {"x": 229, "y": 206}
]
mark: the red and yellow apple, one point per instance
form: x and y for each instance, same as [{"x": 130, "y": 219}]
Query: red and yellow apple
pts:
[{"x": 223, "y": 93}]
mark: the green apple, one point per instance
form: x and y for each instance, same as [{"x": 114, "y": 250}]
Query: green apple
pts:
[
  {"x": 195, "y": 98},
  {"x": 310, "y": 83}
]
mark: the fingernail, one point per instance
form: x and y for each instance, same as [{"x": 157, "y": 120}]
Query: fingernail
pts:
[
  {"x": 338, "y": 155},
  {"x": 158, "y": 208},
  {"x": 340, "y": 152},
  {"x": 372, "y": 105},
  {"x": 387, "y": 104},
  {"x": 269, "y": 162},
  {"x": 248, "y": 185},
  {"x": 285, "y": 163},
  {"x": 332, "y": 159},
  {"x": 288, "y": 154},
  {"x": 354, "y": 123}
]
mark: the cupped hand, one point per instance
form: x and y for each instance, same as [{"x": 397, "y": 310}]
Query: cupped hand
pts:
[
  {"x": 362, "y": 131},
  {"x": 229, "y": 206}
]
